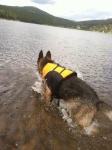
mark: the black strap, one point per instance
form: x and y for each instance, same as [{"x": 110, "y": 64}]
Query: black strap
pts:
[
  {"x": 62, "y": 70},
  {"x": 55, "y": 67}
]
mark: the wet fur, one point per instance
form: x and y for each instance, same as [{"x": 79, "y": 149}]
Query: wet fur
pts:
[{"x": 83, "y": 102}]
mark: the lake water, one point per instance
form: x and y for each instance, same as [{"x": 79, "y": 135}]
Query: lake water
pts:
[{"x": 26, "y": 123}]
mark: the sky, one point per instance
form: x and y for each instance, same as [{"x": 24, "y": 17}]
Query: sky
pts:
[{"x": 77, "y": 10}]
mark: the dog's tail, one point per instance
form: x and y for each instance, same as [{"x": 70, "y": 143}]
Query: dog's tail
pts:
[{"x": 105, "y": 108}]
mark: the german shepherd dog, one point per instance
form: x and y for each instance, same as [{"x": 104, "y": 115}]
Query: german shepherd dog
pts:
[{"x": 62, "y": 83}]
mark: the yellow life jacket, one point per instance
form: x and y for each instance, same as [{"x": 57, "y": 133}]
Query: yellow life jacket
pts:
[
  {"x": 55, "y": 75},
  {"x": 54, "y": 67}
]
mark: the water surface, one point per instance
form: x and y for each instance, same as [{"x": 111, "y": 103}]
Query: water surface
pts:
[{"x": 26, "y": 123}]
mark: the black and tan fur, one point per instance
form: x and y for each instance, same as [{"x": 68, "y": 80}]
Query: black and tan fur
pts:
[{"x": 83, "y": 100}]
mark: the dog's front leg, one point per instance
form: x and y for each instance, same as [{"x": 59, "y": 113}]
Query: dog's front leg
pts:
[{"x": 48, "y": 93}]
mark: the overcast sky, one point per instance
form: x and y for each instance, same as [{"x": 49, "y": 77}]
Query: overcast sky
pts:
[{"x": 71, "y": 9}]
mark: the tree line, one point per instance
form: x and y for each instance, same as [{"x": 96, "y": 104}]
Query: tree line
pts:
[{"x": 37, "y": 16}]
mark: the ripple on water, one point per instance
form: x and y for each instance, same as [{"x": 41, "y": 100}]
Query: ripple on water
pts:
[{"x": 25, "y": 120}]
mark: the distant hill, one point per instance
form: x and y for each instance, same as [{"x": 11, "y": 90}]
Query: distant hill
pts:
[
  {"x": 96, "y": 25},
  {"x": 37, "y": 16},
  {"x": 33, "y": 15}
]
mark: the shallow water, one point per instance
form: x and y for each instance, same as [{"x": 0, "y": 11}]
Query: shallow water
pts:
[{"x": 26, "y": 123}]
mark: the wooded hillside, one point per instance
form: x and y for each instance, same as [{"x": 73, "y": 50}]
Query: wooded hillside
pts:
[{"x": 37, "y": 16}]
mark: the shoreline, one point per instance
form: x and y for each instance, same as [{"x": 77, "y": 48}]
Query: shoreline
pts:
[
  {"x": 10, "y": 20},
  {"x": 58, "y": 26}
]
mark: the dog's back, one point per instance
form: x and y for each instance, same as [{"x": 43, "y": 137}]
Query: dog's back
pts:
[
  {"x": 84, "y": 102},
  {"x": 73, "y": 87}
]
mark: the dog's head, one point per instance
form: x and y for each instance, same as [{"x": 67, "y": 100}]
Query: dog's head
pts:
[{"x": 42, "y": 61}]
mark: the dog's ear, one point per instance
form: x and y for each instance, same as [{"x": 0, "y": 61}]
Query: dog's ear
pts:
[
  {"x": 40, "y": 55},
  {"x": 48, "y": 54}
]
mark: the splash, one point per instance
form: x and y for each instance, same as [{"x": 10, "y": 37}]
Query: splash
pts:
[
  {"x": 38, "y": 87},
  {"x": 64, "y": 109},
  {"x": 91, "y": 129}
]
